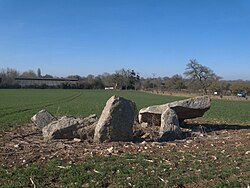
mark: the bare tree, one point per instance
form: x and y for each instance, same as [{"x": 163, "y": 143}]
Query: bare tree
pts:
[
  {"x": 204, "y": 75},
  {"x": 239, "y": 85},
  {"x": 39, "y": 74},
  {"x": 8, "y": 77},
  {"x": 176, "y": 82},
  {"x": 29, "y": 74},
  {"x": 126, "y": 79}
]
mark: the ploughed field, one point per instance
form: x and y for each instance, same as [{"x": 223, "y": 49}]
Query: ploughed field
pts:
[{"x": 215, "y": 153}]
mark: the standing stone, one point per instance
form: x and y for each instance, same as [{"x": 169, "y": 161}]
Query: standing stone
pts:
[
  {"x": 116, "y": 121},
  {"x": 170, "y": 129},
  {"x": 42, "y": 118}
]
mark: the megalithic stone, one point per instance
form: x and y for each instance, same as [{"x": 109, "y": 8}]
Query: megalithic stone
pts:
[
  {"x": 170, "y": 129},
  {"x": 185, "y": 109},
  {"x": 116, "y": 121}
]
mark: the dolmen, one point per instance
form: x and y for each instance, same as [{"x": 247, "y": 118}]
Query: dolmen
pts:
[
  {"x": 118, "y": 119},
  {"x": 169, "y": 116}
]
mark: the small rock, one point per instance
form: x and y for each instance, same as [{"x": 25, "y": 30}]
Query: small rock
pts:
[
  {"x": 42, "y": 118},
  {"x": 214, "y": 157},
  {"x": 157, "y": 144},
  {"x": 143, "y": 143},
  {"x": 147, "y": 136},
  {"x": 172, "y": 144},
  {"x": 77, "y": 140},
  {"x": 189, "y": 141},
  {"x": 60, "y": 145},
  {"x": 87, "y": 121},
  {"x": 64, "y": 167},
  {"x": 247, "y": 152},
  {"x": 144, "y": 124},
  {"x": 111, "y": 149},
  {"x": 86, "y": 185},
  {"x": 86, "y": 132}
]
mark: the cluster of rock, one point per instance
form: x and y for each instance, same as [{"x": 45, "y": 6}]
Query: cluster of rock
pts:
[
  {"x": 64, "y": 127},
  {"x": 169, "y": 116},
  {"x": 117, "y": 120}
]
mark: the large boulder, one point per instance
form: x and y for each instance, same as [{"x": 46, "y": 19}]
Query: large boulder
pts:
[
  {"x": 116, "y": 121},
  {"x": 65, "y": 127},
  {"x": 42, "y": 118},
  {"x": 170, "y": 129},
  {"x": 70, "y": 127},
  {"x": 185, "y": 109}
]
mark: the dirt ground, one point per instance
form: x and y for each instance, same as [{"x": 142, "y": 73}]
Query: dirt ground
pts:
[{"x": 25, "y": 144}]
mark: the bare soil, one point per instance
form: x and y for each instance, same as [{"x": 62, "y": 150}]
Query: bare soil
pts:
[{"x": 25, "y": 144}]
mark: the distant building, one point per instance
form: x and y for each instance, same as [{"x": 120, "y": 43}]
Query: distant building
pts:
[
  {"x": 109, "y": 88},
  {"x": 50, "y": 82}
]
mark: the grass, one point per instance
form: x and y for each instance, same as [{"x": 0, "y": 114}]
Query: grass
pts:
[
  {"x": 229, "y": 112},
  {"x": 173, "y": 169},
  {"x": 18, "y": 106}
]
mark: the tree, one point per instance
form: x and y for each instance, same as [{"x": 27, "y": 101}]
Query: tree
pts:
[
  {"x": 176, "y": 82},
  {"x": 74, "y": 77},
  {"x": 47, "y": 76},
  {"x": 238, "y": 85},
  {"x": 39, "y": 74},
  {"x": 126, "y": 79},
  {"x": 221, "y": 86},
  {"x": 8, "y": 78},
  {"x": 204, "y": 75},
  {"x": 108, "y": 79},
  {"x": 133, "y": 79},
  {"x": 29, "y": 74}
]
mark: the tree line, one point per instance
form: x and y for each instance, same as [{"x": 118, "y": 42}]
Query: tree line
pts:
[{"x": 196, "y": 78}]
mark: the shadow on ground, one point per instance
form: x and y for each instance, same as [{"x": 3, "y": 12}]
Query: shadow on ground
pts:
[{"x": 213, "y": 127}]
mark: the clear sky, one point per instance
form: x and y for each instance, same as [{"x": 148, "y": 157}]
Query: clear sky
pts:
[{"x": 65, "y": 37}]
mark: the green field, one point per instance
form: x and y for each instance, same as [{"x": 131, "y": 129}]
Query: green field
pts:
[{"x": 18, "y": 106}]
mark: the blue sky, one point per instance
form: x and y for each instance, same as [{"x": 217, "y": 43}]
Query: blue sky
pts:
[{"x": 65, "y": 37}]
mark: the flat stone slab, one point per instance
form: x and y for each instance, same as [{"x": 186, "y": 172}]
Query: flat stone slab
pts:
[{"x": 185, "y": 109}]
